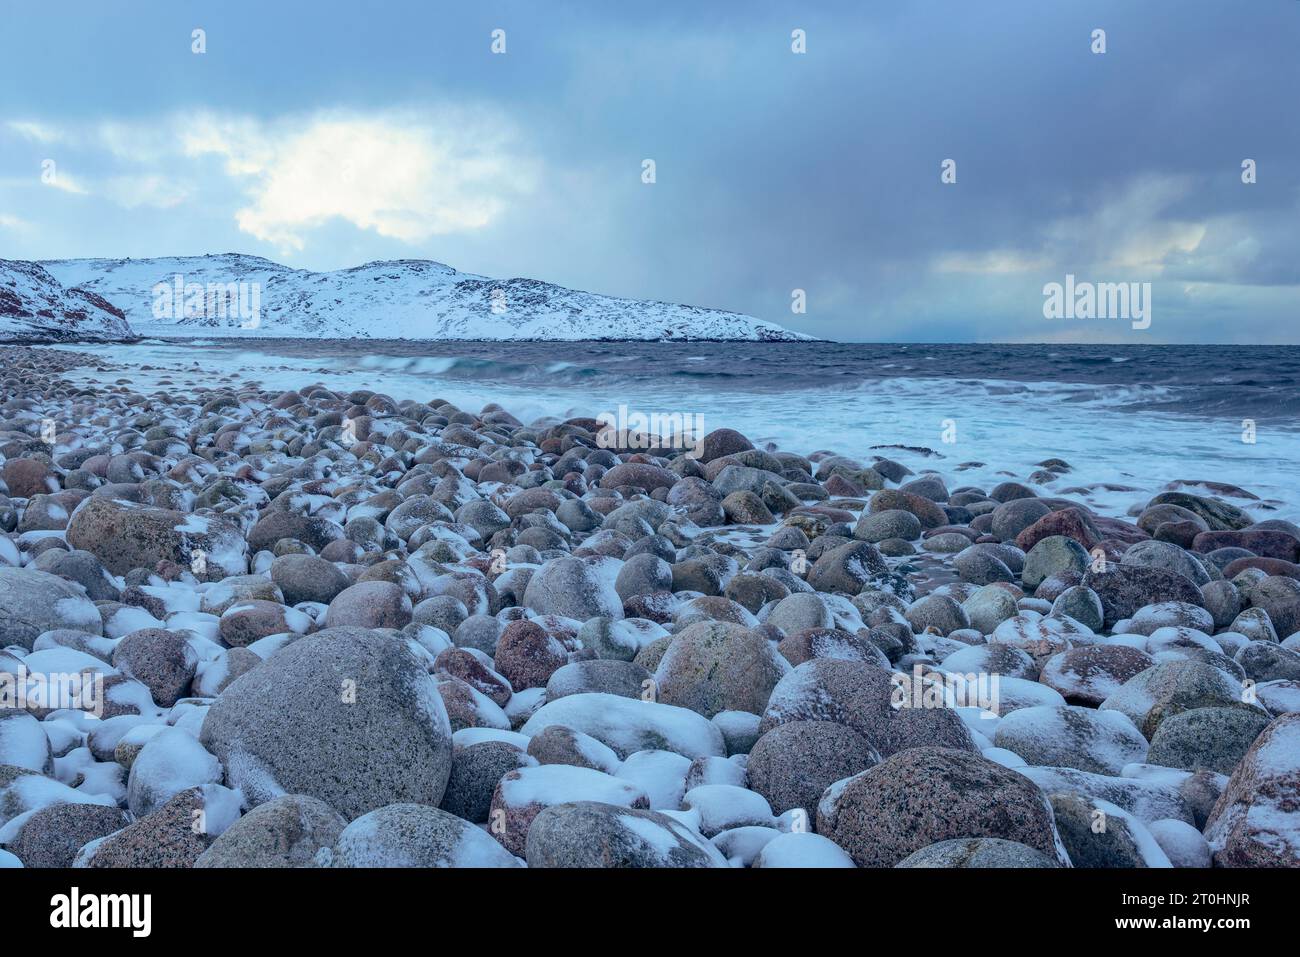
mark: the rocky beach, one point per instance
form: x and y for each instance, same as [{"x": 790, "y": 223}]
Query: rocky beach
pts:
[{"x": 251, "y": 625}]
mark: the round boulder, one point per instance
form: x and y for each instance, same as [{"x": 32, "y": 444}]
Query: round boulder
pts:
[
  {"x": 922, "y": 796},
  {"x": 33, "y": 602},
  {"x": 345, "y": 715},
  {"x": 717, "y": 666},
  {"x": 592, "y": 834},
  {"x": 793, "y": 764}
]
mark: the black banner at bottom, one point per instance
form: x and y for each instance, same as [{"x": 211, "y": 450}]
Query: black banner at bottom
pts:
[{"x": 334, "y": 906}]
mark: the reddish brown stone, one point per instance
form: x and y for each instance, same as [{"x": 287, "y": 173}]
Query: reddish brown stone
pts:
[
  {"x": 527, "y": 656},
  {"x": 1073, "y": 523},
  {"x": 1266, "y": 543},
  {"x": 1273, "y": 566}
]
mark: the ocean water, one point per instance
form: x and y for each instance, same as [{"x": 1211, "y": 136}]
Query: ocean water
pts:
[{"x": 1128, "y": 419}]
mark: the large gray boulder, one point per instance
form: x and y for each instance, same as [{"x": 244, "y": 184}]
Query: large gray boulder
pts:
[
  {"x": 33, "y": 602},
  {"x": 1123, "y": 589},
  {"x": 717, "y": 666},
  {"x": 862, "y": 696},
  {"x": 570, "y": 587},
  {"x": 345, "y": 715},
  {"x": 793, "y": 764},
  {"x": 307, "y": 578},
  {"x": 1213, "y": 738}
]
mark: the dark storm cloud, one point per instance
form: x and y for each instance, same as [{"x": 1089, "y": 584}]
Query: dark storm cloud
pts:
[{"x": 775, "y": 171}]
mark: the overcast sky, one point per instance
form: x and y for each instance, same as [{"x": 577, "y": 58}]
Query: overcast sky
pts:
[{"x": 325, "y": 135}]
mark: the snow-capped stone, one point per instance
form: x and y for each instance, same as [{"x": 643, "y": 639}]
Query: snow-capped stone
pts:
[
  {"x": 32, "y": 602},
  {"x": 287, "y": 831},
  {"x": 523, "y": 794},
  {"x": 628, "y": 724},
  {"x": 1256, "y": 821},
  {"x": 414, "y": 835},
  {"x": 595, "y": 834},
  {"x": 1072, "y": 737},
  {"x": 802, "y": 849}
]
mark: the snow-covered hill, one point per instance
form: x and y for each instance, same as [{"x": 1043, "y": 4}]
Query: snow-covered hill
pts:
[
  {"x": 403, "y": 299},
  {"x": 36, "y": 307}
]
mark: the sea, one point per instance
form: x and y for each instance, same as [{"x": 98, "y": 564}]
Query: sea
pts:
[{"x": 1129, "y": 420}]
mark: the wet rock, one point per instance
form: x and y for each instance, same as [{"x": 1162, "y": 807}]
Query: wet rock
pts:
[
  {"x": 1073, "y": 523},
  {"x": 927, "y": 512},
  {"x": 989, "y": 607},
  {"x": 1050, "y": 556},
  {"x": 1123, "y": 589},
  {"x": 1165, "y": 555},
  {"x": 1217, "y": 514},
  {"x": 937, "y": 613},
  {"x": 1266, "y": 543},
  {"x": 876, "y": 527},
  {"x": 847, "y": 568}
]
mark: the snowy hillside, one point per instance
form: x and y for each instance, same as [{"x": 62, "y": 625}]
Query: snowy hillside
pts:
[
  {"x": 404, "y": 299},
  {"x": 34, "y": 306}
]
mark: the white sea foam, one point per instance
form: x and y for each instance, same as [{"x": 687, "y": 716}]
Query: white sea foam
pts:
[{"x": 1007, "y": 426}]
